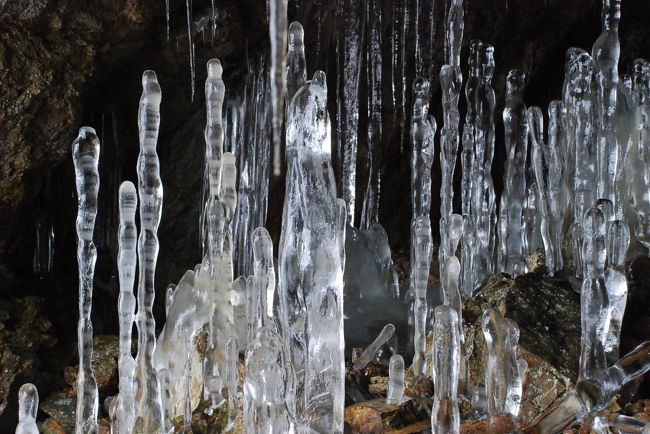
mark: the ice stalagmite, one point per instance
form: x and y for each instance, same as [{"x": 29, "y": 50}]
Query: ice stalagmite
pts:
[
  {"x": 451, "y": 79},
  {"x": 395, "y": 379},
  {"x": 296, "y": 64},
  {"x": 445, "y": 415},
  {"x": 556, "y": 160},
  {"x": 85, "y": 154},
  {"x": 148, "y": 408},
  {"x": 310, "y": 262},
  {"x": 371, "y": 350},
  {"x": 483, "y": 209},
  {"x": 618, "y": 240},
  {"x": 278, "y": 35},
  {"x": 503, "y": 373},
  {"x": 27, "y": 409},
  {"x": 370, "y": 210},
  {"x": 232, "y": 377},
  {"x": 584, "y": 154},
  {"x": 593, "y": 295},
  {"x": 423, "y": 129},
  {"x": 126, "y": 265},
  {"x": 269, "y": 383},
  {"x": 542, "y": 170},
  {"x": 511, "y": 242},
  {"x": 419, "y": 281}
]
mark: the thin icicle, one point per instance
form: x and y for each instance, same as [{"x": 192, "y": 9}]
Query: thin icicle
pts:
[
  {"x": 278, "y": 34},
  {"x": 167, "y": 17},
  {"x": 190, "y": 42}
]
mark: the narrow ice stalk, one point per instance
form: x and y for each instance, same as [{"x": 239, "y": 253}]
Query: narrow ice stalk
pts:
[
  {"x": 85, "y": 154},
  {"x": 27, "y": 409},
  {"x": 278, "y": 36},
  {"x": 445, "y": 415},
  {"x": 371, "y": 350},
  {"x": 126, "y": 265},
  {"x": 148, "y": 401}
]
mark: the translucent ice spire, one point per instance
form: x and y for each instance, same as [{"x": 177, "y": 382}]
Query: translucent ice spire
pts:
[
  {"x": 504, "y": 373},
  {"x": 423, "y": 129},
  {"x": 371, "y": 350},
  {"x": 556, "y": 163},
  {"x": 126, "y": 265},
  {"x": 618, "y": 240},
  {"x": 395, "y": 379},
  {"x": 264, "y": 272},
  {"x": 27, "y": 409},
  {"x": 232, "y": 377},
  {"x": 278, "y": 35},
  {"x": 593, "y": 298},
  {"x": 296, "y": 64},
  {"x": 85, "y": 155},
  {"x": 513, "y": 198},
  {"x": 422, "y": 248},
  {"x": 445, "y": 415},
  {"x": 148, "y": 406},
  {"x": 310, "y": 269}
]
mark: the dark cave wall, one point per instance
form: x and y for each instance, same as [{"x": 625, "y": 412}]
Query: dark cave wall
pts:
[{"x": 68, "y": 63}]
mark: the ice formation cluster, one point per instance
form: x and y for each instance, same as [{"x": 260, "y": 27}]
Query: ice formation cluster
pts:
[{"x": 579, "y": 190}]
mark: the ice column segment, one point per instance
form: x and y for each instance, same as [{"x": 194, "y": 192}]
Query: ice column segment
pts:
[
  {"x": 85, "y": 154},
  {"x": 296, "y": 64},
  {"x": 126, "y": 264},
  {"x": 593, "y": 295},
  {"x": 278, "y": 35},
  {"x": 148, "y": 406},
  {"x": 605, "y": 53},
  {"x": 27, "y": 409},
  {"x": 371, "y": 350},
  {"x": 513, "y": 198},
  {"x": 618, "y": 240},
  {"x": 420, "y": 281},
  {"x": 445, "y": 414}
]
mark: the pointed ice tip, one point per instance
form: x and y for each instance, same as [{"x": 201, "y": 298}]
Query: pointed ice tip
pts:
[
  {"x": 215, "y": 70},
  {"x": 320, "y": 79}
]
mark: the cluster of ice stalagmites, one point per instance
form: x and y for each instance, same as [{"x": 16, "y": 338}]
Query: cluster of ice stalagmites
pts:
[{"x": 566, "y": 190}]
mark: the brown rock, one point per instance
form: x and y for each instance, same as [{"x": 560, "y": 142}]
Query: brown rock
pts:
[
  {"x": 52, "y": 426},
  {"x": 376, "y": 416}
]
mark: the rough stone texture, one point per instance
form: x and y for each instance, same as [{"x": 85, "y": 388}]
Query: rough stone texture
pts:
[
  {"x": 24, "y": 335},
  {"x": 548, "y": 314},
  {"x": 376, "y": 416}
]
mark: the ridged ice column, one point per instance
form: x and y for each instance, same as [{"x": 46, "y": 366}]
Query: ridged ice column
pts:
[
  {"x": 126, "y": 264},
  {"x": 27, "y": 409},
  {"x": 85, "y": 154},
  {"x": 149, "y": 414}
]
